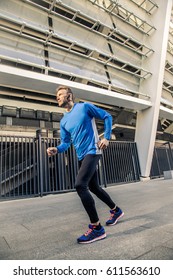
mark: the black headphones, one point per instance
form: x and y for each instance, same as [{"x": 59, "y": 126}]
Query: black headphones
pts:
[{"x": 68, "y": 96}]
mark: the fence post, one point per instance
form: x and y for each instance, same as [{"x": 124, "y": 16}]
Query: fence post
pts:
[
  {"x": 103, "y": 170},
  {"x": 133, "y": 162},
  {"x": 171, "y": 154},
  {"x": 40, "y": 163}
]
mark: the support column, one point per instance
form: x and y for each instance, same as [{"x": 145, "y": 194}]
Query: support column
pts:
[{"x": 147, "y": 119}]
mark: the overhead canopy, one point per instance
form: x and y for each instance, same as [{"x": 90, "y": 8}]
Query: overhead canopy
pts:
[{"x": 41, "y": 83}]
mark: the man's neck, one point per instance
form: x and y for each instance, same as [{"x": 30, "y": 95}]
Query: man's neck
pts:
[{"x": 69, "y": 106}]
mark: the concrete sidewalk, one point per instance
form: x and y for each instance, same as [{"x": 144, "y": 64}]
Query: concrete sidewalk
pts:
[{"x": 46, "y": 228}]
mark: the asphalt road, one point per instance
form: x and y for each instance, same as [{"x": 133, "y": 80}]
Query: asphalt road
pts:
[{"x": 47, "y": 228}]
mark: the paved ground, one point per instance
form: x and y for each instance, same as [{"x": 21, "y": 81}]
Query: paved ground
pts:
[{"x": 46, "y": 228}]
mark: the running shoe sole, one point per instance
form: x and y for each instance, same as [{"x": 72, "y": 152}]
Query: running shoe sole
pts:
[{"x": 93, "y": 240}]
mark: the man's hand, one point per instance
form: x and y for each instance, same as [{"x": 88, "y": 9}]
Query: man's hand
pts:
[
  {"x": 52, "y": 151},
  {"x": 103, "y": 144}
]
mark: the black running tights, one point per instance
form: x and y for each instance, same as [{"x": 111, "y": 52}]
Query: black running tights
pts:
[{"x": 87, "y": 180}]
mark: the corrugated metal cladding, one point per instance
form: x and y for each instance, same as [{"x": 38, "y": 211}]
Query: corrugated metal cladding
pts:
[
  {"x": 92, "y": 42},
  {"x": 101, "y": 42}
]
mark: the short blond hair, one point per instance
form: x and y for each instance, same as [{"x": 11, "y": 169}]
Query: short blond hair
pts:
[{"x": 68, "y": 90}]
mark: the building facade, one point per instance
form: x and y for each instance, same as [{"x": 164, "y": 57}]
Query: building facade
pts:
[{"x": 117, "y": 54}]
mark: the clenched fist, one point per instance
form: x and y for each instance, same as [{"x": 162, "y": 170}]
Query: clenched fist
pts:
[
  {"x": 52, "y": 151},
  {"x": 103, "y": 144}
]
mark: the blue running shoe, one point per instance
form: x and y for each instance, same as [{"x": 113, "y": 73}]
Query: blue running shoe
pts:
[
  {"x": 115, "y": 216},
  {"x": 92, "y": 235}
]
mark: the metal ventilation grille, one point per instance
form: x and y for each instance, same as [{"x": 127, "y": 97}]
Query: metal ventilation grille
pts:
[
  {"x": 170, "y": 47},
  {"x": 148, "y": 5},
  {"x": 169, "y": 67},
  {"x": 40, "y": 41},
  {"x": 53, "y": 38},
  {"x": 116, "y": 9},
  {"x": 167, "y": 86}
]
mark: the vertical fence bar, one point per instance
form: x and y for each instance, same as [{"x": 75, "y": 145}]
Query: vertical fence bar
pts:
[
  {"x": 155, "y": 165},
  {"x": 167, "y": 155},
  {"x": 40, "y": 164},
  {"x": 130, "y": 174},
  {"x": 136, "y": 166},
  {"x": 116, "y": 164},
  {"x": 51, "y": 187},
  {"x": 113, "y": 155},
  {"x": 118, "y": 153},
  {"x": 56, "y": 168},
  {"x": 29, "y": 167},
  {"x": 171, "y": 155},
  {"x": 22, "y": 160},
  {"x": 46, "y": 166},
  {"x": 1, "y": 156},
  {"x": 14, "y": 165},
  {"x": 9, "y": 166},
  {"x": 18, "y": 164},
  {"x": 25, "y": 164},
  {"x": 137, "y": 162},
  {"x": 5, "y": 169},
  {"x": 103, "y": 169},
  {"x": 34, "y": 166}
]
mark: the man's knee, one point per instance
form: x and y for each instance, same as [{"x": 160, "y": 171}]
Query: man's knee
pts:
[
  {"x": 94, "y": 188},
  {"x": 81, "y": 188}
]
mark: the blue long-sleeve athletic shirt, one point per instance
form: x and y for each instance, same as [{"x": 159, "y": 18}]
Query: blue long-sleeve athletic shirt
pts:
[{"x": 79, "y": 126}]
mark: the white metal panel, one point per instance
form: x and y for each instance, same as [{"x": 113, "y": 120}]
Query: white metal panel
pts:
[
  {"x": 169, "y": 57},
  {"x": 125, "y": 54},
  {"x": 93, "y": 40},
  {"x": 76, "y": 65},
  {"x": 149, "y": 6},
  {"x": 168, "y": 77},
  {"x": 16, "y": 47},
  {"x": 165, "y": 99},
  {"x": 27, "y": 13},
  {"x": 80, "y": 34},
  {"x": 98, "y": 14},
  {"x": 166, "y": 113},
  {"x": 131, "y": 7},
  {"x": 122, "y": 16},
  {"x": 87, "y": 8},
  {"x": 124, "y": 80}
]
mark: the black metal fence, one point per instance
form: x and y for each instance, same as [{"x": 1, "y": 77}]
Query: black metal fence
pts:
[
  {"x": 162, "y": 160},
  {"x": 18, "y": 166},
  {"x": 57, "y": 173},
  {"x": 26, "y": 170},
  {"x": 121, "y": 163}
]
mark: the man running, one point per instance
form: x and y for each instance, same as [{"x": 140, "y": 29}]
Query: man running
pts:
[{"x": 78, "y": 126}]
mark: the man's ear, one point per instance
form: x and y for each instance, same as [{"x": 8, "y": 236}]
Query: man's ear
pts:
[{"x": 69, "y": 97}]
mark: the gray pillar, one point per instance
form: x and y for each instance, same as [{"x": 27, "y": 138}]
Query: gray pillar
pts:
[{"x": 147, "y": 119}]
